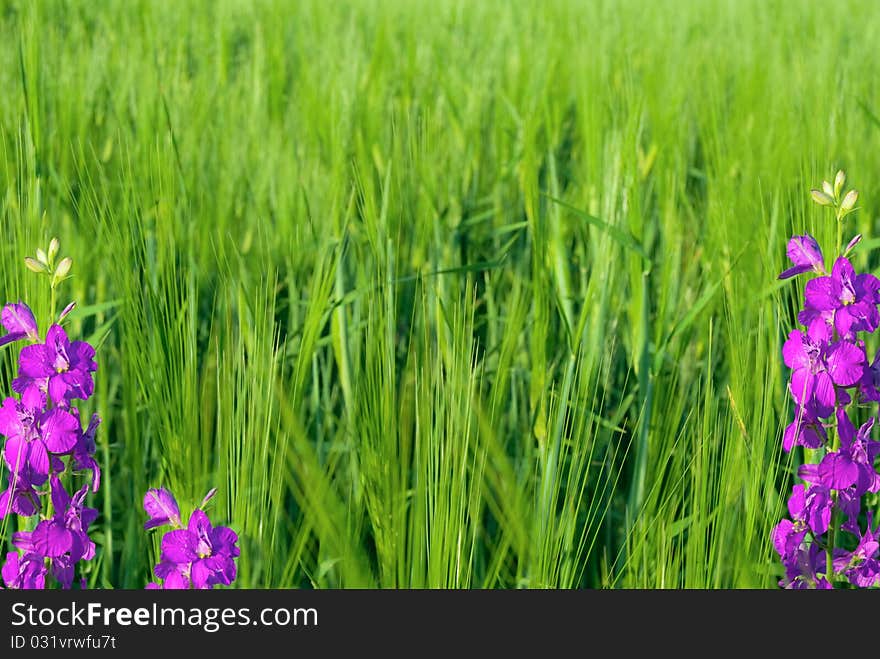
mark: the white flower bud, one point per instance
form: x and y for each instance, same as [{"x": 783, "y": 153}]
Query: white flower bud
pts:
[
  {"x": 839, "y": 180},
  {"x": 63, "y": 268},
  {"x": 33, "y": 265},
  {"x": 821, "y": 198},
  {"x": 849, "y": 201},
  {"x": 54, "y": 246}
]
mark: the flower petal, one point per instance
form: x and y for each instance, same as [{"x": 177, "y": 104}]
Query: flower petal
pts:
[
  {"x": 837, "y": 471},
  {"x": 51, "y": 539},
  {"x": 846, "y": 363},
  {"x": 819, "y": 294},
  {"x": 32, "y": 395},
  {"x": 200, "y": 575},
  {"x": 59, "y": 430},
  {"x": 802, "y": 385},
  {"x": 805, "y": 251},
  {"x": 179, "y": 546},
  {"x": 780, "y": 536},
  {"x": 199, "y": 524},
  {"x": 34, "y": 362},
  {"x": 794, "y": 271},
  {"x": 19, "y": 318},
  {"x": 824, "y": 392},
  {"x": 38, "y": 462},
  {"x": 162, "y": 508},
  {"x": 176, "y": 581},
  {"x": 793, "y": 351}
]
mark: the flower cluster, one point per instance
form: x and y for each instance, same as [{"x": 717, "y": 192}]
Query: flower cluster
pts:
[
  {"x": 45, "y": 441},
  {"x": 832, "y": 381},
  {"x": 196, "y": 555}
]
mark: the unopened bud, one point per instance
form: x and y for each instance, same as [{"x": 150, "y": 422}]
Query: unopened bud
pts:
[
  {"x": 54, "y": 246},
  {"x": 821, "y": 198},
  {"x": 208, "y": 497},
  {"x": 827, "y": 189},
  {"x": 42, "y": 258},
  {"x": 849, "y": 201},
  {"x": 852, "y": 243},
  {"x": 839, "y": 180},
  {"x": 33, "y": 265},
  {"x": 70, "y": 307},
  {"x": 63, "y": 268}
]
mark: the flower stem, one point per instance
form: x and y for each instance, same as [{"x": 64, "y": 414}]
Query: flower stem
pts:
[
  {"x": 829, "y": 550},
  {"x": 839, "y": 234},
  {"x": 52, "y": 303}
]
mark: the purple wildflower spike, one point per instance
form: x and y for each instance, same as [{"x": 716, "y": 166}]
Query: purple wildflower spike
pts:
[{"x": 199, "y": 555}]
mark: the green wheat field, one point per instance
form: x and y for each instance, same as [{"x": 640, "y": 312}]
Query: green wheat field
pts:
[{"x": 447, "y": 294}]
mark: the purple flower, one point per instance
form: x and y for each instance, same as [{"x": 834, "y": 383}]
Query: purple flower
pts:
[
  {"x": 817, "y": 501},
  {"x": 802, "y": 570},
  {"x": 27, "y": 572},
  {"x": 853, "y": 464},
  {"x": 805, "y": 254},
  {"x": 19, "y": 321},
  {"x": 861, "y": 566},
  {"x": 32, "y": 436},
  {"x": 788, "y": 535},
  {"x": 175, "y": 576},
  {"x": 208, "y": 551},
  {"x": 20, "y": 498},
  {"x": 162, "y": 508},
  {"x": 64, "y": 537},
  {"x": 850, "y": 505},
  {"x": 806, "y": 430},
  {"x": 850, "y": 297},
  {"x": 817, "y": 367},
  {"x": 198, "y": 556},
  {"x": 60, "y": 368},
  {"x": 82, "y": 456},
  {"x": 869, "y": 385}
]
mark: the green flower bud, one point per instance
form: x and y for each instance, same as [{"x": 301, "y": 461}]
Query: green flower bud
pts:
[
  {"x": 849, "y": 201},
  {"x": 63, "y": 268},
  {"x": 54, "y": 246},
  {"x": 34, "y": 266},
  {"x": 42, "y": 258},
  {"x": 821, "y": 198},
  {"x": 827, "y": 189},
  {"x": 839, "y": 180}
]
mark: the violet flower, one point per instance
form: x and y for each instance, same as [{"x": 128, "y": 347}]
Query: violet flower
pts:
[
  {"x": 802, "y": 570},
  {"x": 19, "y": 321},
  {"x": 32, "y": 435},
  {"x": 58, "y": 368},
  {"x": 853, "y": 464},
  {"x": 161, "y": 507},
  {"x": 27, "y": 572},
  {"x": 850, "y": 297},
  {"x": 20, "y": 498},
  {"x": 198, "y": 556},
  {"x": 861, "y": 566},
  {"x": 63, "y": 538},
  {"x": 805, "y": 254},
  {"x": 806, "y": 430},
  {"x": 82, "y": 455},
  {"x": 817, "y": 367}
]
